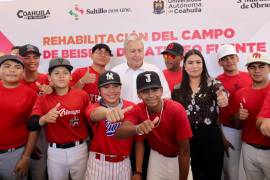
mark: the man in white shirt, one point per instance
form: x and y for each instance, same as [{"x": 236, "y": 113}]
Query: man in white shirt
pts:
[{"x": 134, "y": 53}]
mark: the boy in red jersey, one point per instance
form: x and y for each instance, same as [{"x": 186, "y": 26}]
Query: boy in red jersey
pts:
[
  {"x": 62, "y": 115},
  {"x": 87, "y": 78},
  {"x": 164, "y": 124},
  {"x": 246, "y": 106},
  {"x": 232, "y": 79},
  {"x": 109, "y": 159},
  {"x": 17, "y": 101}
]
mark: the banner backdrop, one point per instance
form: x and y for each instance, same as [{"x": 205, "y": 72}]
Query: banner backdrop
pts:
[{"x": 71, "y": 28}]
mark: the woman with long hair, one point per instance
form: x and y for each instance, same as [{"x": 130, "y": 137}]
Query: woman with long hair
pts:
[{"x": 202, "y": 96}]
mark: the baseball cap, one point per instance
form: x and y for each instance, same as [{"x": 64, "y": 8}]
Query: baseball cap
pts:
[
  {"x": 225, "y": 50},
  {"x": 261, "y": 57},
  {"x": 148, "y": 80},
  {"x": 109, "y": 77},
  {"x": 174, "y": 49},
  {"x": 56, "y": 62},
  {"x": 102, "y": 46},
  {"x": 29, "y": 48},
  {"x": 11, "y": 58}
]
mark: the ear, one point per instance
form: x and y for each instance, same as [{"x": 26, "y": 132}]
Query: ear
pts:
[{"x": 139, "y": 95}]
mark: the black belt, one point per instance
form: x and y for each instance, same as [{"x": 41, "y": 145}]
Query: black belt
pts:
[
  {"x": 67, "y": 145},
  {"x": 10, "y": 149},
  {"x": 260, "y": 146}
]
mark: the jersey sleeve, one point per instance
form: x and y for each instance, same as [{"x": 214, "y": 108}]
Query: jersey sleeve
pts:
[
  {"x": 88, "y": 111},
  {"x": 38, "y": 108},
  {"x": 265, "y": 110}
]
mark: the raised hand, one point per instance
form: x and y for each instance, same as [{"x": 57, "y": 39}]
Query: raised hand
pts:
[
  {"x": 146, "y": 126},
  {"x": 243, "y": 113},
  {"x": 88, "y": 77},
  {"x": 51, "y": 116},
  {"x": 117, "y": 114},
  {"x": 222, "y": 99},
  {"x": 44, "y": 88}
]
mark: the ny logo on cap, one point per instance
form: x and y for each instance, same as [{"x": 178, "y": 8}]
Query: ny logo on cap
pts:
[
  {"x": 256, "y": 55},
  {"x": 148, "y": 78},
  {"x": 109, "y": 76}
]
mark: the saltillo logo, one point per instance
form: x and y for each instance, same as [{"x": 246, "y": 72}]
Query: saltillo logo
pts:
[{"x": 35, "y": 14}]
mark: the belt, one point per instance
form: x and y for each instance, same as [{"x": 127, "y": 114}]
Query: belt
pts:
[
  {"x": 170, "y": 156},
  {"x": 260, "y": 146},
  {"x": 110, "y": 158},
  {"x": 11, "y": 149},
  {"x": 67, "y": 145}
]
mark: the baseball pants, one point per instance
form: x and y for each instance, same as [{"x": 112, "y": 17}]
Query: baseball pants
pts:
[
  {"x": 99, "y": 169},
  {"x": 161, "y": 167},
  {"x": 63, "y": 163},
  {"x": 8, "y": 162},
  {"x": 256, "y": 162},
  {"x": 231, "y": 164},
  {"x": 38, "y": 167}
]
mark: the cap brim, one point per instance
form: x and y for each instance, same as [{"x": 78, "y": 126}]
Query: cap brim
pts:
[
  {"x": 149, "y": 87},
  {"x": 61, "y": 65},
  {"x": 111, "y": 82},
  {"x": 12, "y": 59},
  {"x": 257, "y": 62},
  {"x": 38, "y": 53},
  {"x": 170, "y": 52}
]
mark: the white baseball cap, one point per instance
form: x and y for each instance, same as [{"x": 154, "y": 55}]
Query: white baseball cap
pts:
[
  {"x": 258, "y": 57},
  {"x": 225, "y": 50}
]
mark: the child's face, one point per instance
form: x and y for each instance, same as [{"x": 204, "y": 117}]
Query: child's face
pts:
[
  {"x": 111, "y": 94},
  {"x": 11, "y": 71},
  {"x": 60, "y": 77}
]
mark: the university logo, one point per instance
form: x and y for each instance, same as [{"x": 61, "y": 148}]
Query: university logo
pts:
[
  {"x": 158, "y": 6},
  {"x": 35, "y": 14},
  {"x": 76, "y": 12}
]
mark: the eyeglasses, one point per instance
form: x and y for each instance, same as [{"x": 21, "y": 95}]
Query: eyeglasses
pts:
[
  {"x": 169, "y": 56},
  {"x": 101, "y": 53}
]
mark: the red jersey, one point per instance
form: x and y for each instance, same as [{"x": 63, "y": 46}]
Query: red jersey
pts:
[
  {"x": 252, "y": 100},
  {"x": 104, "y": 132},
  {"x": 172, "y": 78},
  {"x": 232, "y": 84},
  {"x": 173, "y": 127},
  {"x": 15, "y": 108},
  {"x": 42, "y": 79},
  {"x": 90, "y": 88},
  {"x": 70, "y": 125}
]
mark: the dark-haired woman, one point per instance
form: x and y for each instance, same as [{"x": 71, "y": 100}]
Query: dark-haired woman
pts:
[{"x": 202, "y": 96}]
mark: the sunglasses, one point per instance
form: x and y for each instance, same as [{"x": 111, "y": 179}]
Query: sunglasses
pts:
[{"x": 169, "y": 56}]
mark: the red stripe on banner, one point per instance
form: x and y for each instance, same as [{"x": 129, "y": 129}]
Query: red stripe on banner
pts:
[{"x": 5, "y": 44}]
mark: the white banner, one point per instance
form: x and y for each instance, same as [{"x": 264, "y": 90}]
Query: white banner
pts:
[{"x": 71, "y": 28}]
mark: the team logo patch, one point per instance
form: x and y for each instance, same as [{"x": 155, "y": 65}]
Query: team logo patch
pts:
[{"x": 111, "y": 127}]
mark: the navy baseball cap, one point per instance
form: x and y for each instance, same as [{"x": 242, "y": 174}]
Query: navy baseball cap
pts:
[
  {"x": 147, "y": 80},
  {"x": 109, "y": 77},
  {"x": 14, "y": 58},
  {"x": 59, "y": 62},
  {"x": 27, "y": 49},
  {"x": 174, "y": 49}
]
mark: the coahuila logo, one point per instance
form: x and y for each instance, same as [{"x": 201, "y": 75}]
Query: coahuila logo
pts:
[
  {"x": 35, "y": 14},
  {"x": 77, "y": 11}
]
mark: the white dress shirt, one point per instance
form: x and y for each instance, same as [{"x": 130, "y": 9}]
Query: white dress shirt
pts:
[{"x": 128, "y": 79}]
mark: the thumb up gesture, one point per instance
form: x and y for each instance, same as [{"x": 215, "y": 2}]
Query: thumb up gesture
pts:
[
  {"x": 51, "y": 116},
  {"x": 243, "y": 113},
  {"x": 88, "y": 77},
  {"x": 222, "y": 99}
]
